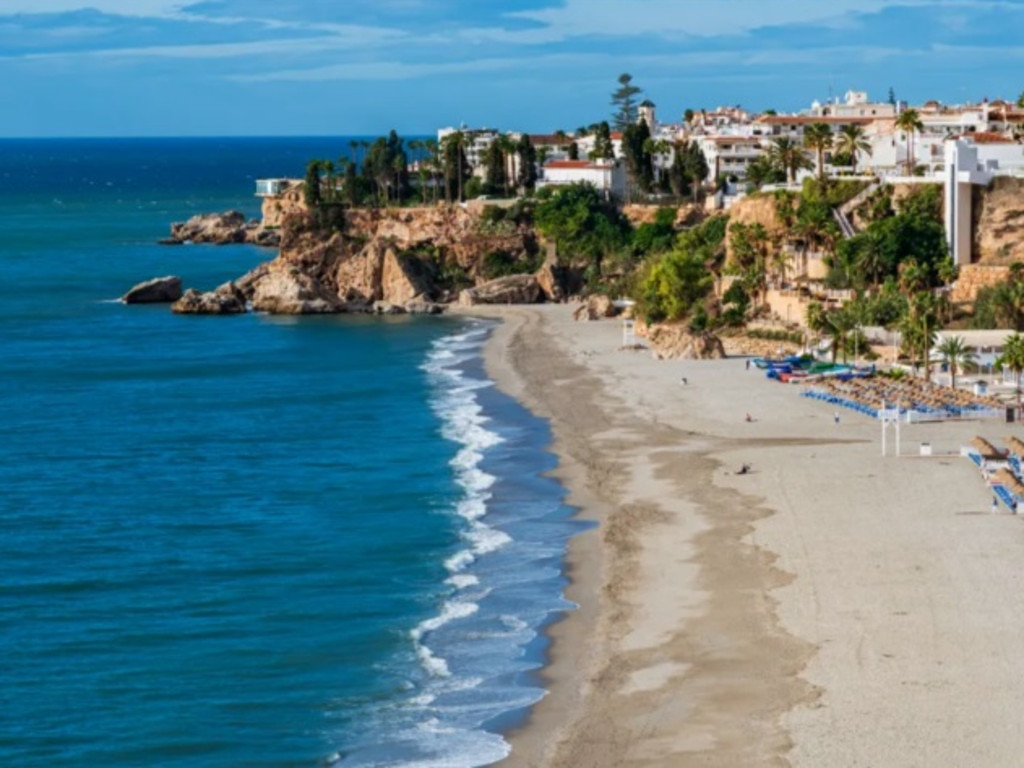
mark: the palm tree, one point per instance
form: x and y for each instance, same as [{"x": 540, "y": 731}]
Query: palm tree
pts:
[
  {"x": 1008, "y": 300},
  {"x": 909, "y": 122},
  {"x": 1013, "y": 358},
  {"x": 955, "y": 355},
  {"x": 761, "y": 171},
  {"x": 789, "y": 156},
  {"x": 508, "y": 148},
  {"x": 918, "y": 328},
  {"x": 562, "y": 138},
  {"x": 433, "y": 158},
  {"x": 818, "y": 137},
  {"x": 851, "y": 141},
  {"x": 836, "y": 324},
  {"x": 870, "y": 257}
]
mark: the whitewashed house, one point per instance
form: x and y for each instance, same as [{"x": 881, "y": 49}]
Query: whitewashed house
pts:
[{"x": 608, "y": 177}]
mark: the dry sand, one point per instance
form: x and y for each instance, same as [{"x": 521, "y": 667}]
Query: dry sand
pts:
[{"x": 831, "y": 608}]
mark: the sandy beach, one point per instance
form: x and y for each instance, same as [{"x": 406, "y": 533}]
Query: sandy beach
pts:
[{"x": 830, "y": 608}]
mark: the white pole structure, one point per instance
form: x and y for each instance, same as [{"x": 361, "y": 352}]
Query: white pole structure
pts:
[
  {"x": 628, "y": 333},
  {"x": 884, "y": 425},
  {"x": 898, "y": 428}
]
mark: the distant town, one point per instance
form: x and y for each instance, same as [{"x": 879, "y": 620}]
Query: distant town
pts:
[{"x": 720, "y": 155}]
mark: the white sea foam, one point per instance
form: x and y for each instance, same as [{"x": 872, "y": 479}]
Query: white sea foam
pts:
[
  {"x": 436, "y": 666},
  {"x": 446, "y": 739},
  {"x": 462, "y": 580}
]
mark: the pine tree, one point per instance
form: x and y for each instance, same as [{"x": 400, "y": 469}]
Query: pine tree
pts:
[{"x": 624, "y": 101}]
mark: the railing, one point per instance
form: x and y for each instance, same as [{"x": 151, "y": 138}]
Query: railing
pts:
[{"x": 845, "y": 226}]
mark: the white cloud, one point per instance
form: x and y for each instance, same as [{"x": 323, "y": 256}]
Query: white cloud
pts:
[
  {"x": 617, "y": 18},
  {"x": 144, "y": 8}
]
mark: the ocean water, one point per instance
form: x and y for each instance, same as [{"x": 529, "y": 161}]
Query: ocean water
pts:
[{"x": 249, "y": 540}]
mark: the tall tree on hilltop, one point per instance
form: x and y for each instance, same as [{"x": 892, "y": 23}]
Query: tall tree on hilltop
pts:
[
  {"x": 624, "y": 102},
  {"x": 695, "y": 167},
  {"x": 311, "y": 188},
  {"x": 456, "y": 165},
  {"x": 434, "y": 165},
  {"x": 604, "y": 149},
  {"x": 494, "y": 167},
  {"x": 527, "y": 163},
  {"x": 851, "y": 141},
  {"x": 910, "y": 123},
  {"x": 818, "y": 137},
  {"x": 638, "y": 156}
]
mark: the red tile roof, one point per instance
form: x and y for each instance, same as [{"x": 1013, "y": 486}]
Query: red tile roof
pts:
[
  {"x": 549, "y": 140},
  {"x": 985, "y": 137},
  {"x": 572, "y": 164},
  {"x": 806, "y": 120}
]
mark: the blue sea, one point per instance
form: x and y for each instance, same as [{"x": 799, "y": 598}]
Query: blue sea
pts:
[{"x": 247, "y": 541}]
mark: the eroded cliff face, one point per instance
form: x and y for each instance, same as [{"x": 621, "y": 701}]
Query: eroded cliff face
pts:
[
  {"x": 385, "y": 257},
  {"x": 999, "y": 222},
  {"x": 755, "y": 209},
  {"x": 275, "y": 209}
]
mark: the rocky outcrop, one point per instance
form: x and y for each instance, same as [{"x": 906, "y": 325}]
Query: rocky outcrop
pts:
[
  {"x": 222, "y": 229},
  {"x": 276, "y": 209},
  {"x": 755, "y": 209},
  {"x": 553, "y": 281},
  {"x": 688, "y": 214},
  {"x": 287, "y": 290},
  {"x": 677, "y": 342},
  {"x": 226, "y": 300},
  {"x": 160, "y": 290},
  {"x": 514, "y": 289},
  {"x": 595, "y": 308}
]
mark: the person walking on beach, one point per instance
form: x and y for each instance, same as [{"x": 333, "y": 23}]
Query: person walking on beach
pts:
[
  {"x": 995, "y": 504},
  {"x": 836, "y": 416}
]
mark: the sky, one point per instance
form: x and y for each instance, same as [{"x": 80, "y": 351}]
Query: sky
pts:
[{"x": 362, "y": 67}]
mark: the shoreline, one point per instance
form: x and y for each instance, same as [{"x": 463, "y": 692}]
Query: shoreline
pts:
[
  {"x": 566, "y": 728},
  {"x": 770, "y": 619}
]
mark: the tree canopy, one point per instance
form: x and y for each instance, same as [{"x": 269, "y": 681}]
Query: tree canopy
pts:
[
  {"x": 624, "y": 102},
  {"x": 582, "y": 224}
]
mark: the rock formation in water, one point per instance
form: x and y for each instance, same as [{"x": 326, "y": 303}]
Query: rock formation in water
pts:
[
  {"x": 222, "y": 229},
  {"x": 225, "y": 300},
  {"x": 398, "y": 260},
  {"x": 159, "y": 290}
]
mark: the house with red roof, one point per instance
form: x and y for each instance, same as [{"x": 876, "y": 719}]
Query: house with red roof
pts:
[{"x": 607, "y": 176}]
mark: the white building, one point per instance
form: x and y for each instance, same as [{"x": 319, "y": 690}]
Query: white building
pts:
[
  {"x": 729, "y": 155},
  {"x": 608, "y": 177},
  {"x": 478, "y": 141},
  {"x": 854, "y": 104},
  {"x": 972, "y": 160}
]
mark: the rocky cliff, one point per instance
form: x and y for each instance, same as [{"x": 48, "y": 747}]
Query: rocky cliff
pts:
[
  {"x": 999, "y": 222},
  {"x": 755, "y": 209},
  {"x": 222, "y": 229},
  {"x": 401, "y": 259}
]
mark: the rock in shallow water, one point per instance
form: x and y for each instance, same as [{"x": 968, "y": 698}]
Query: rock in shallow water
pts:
[
  {"x": 159, "y": 290},
  {"x": 223, "y": 301}
]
